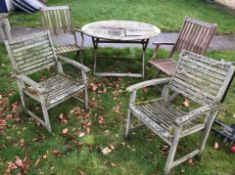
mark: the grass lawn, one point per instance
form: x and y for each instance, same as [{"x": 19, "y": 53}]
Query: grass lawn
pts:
[
  {"x": 167, "y": 15},
  {"x": 78, "y": 154}
]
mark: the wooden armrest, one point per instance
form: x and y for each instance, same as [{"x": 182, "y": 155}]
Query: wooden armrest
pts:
[
  {"x": 163, "y": 43},
  {"x": 31, "y": 83},
  {"x": 147, "y": 83},
  {"x": 196, "y": 113},
  {"x": 74, "y": 63},
  {"x": 77, "y": 30}
]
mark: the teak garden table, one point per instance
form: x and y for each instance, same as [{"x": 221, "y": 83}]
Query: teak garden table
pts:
[{"x": 120, "y": 31}]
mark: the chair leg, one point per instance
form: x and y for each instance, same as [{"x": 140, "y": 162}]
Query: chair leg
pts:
[
  {"x": 86, "y": 98},
  {"x": 45, "y": 115},
  {"x": 22, "y": 96},
  {"x": 128, "y": 124},
  {"x": 206, "y": 132},
  {"x": 172, "y": 152}
]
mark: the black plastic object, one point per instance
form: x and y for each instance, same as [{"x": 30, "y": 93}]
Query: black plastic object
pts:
[{"x": 227, "y": 133}]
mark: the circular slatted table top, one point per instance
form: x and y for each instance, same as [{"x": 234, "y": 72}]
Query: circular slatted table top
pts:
[{"x": 121, "y": 30}]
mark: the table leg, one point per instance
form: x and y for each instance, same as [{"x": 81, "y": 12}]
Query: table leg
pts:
[
  {"x": 95, "y": 44},
  {"x": 144, "y": 44},
  {"x": 144, "y": 47}
]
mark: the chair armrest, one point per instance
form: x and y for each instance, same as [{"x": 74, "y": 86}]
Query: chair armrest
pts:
[
  {"x": 74, "y": 63},
  {"x": 31, "y": 83},
  {"x": 163, "y": 43},
  {"x": 77, "y": 30},
  {"x": 147, "y": 83},
  {"x": 196, "y": 113}
]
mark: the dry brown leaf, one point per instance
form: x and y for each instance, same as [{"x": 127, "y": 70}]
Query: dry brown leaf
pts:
[
  {"x": 112, "y": 146},
  {"x": 88, "y": 130},
  {"x": 190, "y": 162},
  {"x": 65, "y": 131},
  {"x": 37, "y": 161},
  {"x": 63, "y": 119},
  {"x": 93, "y": 87},
  {"x": 113, "y": 165},
  {"x": 81, "y": 172},
  {"x": 216, "y": 145},
  {"x": 115, "y": 93},
  {"x": 186, "y": 102},
  {"x": 19, "y": 162},
  {"x": 117, "y": 109},
  {"x": 82, "y": 134},
  {"x": 106, "y": 150},
  {"x": 14, "y": 107},
  {"x": 101, "y": 120}
]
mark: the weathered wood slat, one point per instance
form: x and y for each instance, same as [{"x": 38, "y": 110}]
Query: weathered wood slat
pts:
[
  {"x": 34, "y": 53},
  {"x": 194, "y": 36},
  {"x": 198, "y": 78}
]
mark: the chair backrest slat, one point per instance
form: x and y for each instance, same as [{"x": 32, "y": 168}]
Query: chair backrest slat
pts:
[
  {"x": 201, "y": 79},
  {"x": 57, "y": 19},
  {"x": 5, "y": 28},
  {"x": 31, "y": 53},
  {"x": 195, "y": 36}
]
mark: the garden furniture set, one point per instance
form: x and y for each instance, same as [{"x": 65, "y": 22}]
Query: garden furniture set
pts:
[{"x": 200, "y": 79}]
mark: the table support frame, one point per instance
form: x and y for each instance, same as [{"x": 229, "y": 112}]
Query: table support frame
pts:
[{"x": 96, "y": 41}]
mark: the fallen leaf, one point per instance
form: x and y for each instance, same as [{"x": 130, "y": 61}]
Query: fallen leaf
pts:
[
  {"x": 93, "y": 87},
  {"x": 88, "y": 130},
  {"x": 113, "y": 165},
  {"x": 37, "y": 161},
  {"x": 216, "y": 145},
  {"x": 19, "y": 162},
  {"x": 65, "y": 131},
  {"x": 44, "y": 156},
  {"x": 57, "y": 153},
  {"x": 101, "y": 120},
  {"x": 14, "y": 107},
  {"x": 112, "y": 146},
  {"x": 115, "y": 93},
  {"x": 63, "y": 119},
  {"x": 145, "y": 89},
  {"x": 92, "y": 103},
  {"x": 82, "y": 134},
  {"x": 165, "y": 148},
  {"x": 186, "y": 102},
  {"x": 81, "y": 172},
  {"x": 116, "y": 109},
  {"x": 76, "y": 111},
  {"x": 106, "y": 150},
  {"x": 190, "y": 162}
]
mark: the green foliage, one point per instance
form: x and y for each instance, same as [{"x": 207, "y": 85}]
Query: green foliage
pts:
[{"x": 167, "y": 15}]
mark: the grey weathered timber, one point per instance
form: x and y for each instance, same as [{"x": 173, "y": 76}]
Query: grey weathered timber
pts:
[
  {"x": 34, "y": 53},
  {"x": 57, "y": 20},
  {"x": 5, "y": 29},
  {"x": 203, "y": 81},
  {"x": 194, "y": 36},
  {"x": 120, "y": 31}
]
